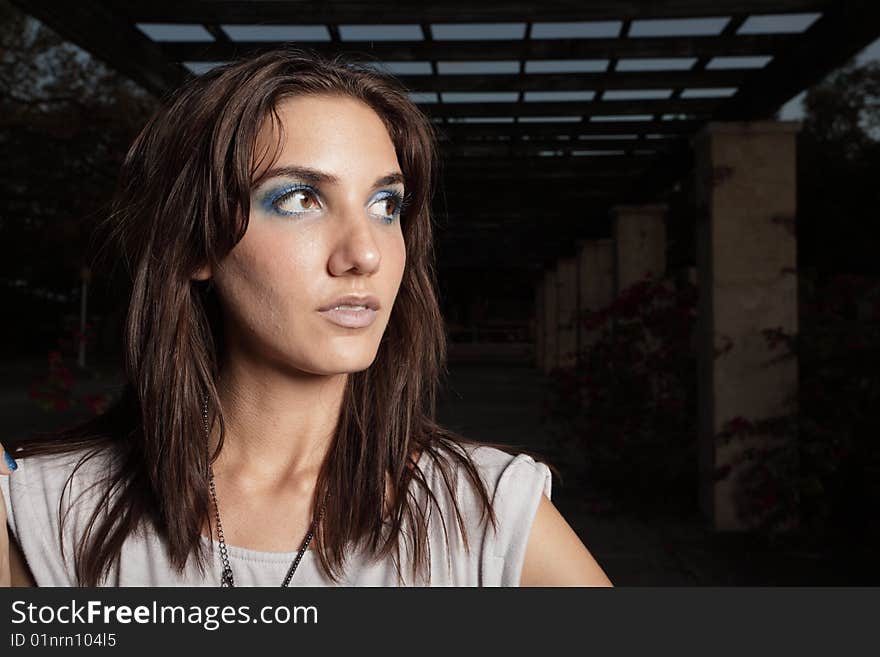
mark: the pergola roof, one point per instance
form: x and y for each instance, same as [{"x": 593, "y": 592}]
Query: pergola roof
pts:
[{"x": 557, "y": 109}]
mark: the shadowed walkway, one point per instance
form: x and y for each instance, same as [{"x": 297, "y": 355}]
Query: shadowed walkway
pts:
[{"x": 503, "y": 404}]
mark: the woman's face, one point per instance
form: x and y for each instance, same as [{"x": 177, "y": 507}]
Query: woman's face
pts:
[{"x": 316, "y": 236}]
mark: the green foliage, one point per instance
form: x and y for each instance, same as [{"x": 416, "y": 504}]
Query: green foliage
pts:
[{"x": 838, "y": 164}]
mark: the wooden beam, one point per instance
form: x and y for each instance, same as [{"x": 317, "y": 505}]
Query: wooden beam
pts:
[
  {"x": 498, "y": 148},
  {"x": 517, "y": 130},
  {"x": 109, "y": 37},
  {"x": 518, "y": 49},
  {"x": 626, "y": 80},
  {"x": 842, "y": 32},
  {"x": 447, "y": 11},
  {"x": 695, "y": 106}
]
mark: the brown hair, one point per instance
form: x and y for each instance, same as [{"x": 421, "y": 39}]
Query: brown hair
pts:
[{"x": 182, "y": 200}]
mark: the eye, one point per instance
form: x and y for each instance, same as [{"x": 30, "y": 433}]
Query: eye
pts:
[
  {"x": 294, "y": 200},
  {"x": 393, "y": 203}
]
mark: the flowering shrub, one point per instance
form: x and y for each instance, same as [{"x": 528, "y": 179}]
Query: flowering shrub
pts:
[
  {"x": 818, "y": 465},
  {"x": 628, "y": 408},
  {"x": 54, "y": 392}
]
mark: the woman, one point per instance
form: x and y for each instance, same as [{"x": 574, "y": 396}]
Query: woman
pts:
[{"x": 283, "y": 346}]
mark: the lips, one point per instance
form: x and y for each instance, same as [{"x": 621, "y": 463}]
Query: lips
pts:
[
  {"x": 368, "y": 300},
  {"x": 351, "y": 317}
]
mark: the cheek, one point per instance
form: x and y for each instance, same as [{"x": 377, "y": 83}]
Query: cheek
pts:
[{"x": 267, "y": 282}]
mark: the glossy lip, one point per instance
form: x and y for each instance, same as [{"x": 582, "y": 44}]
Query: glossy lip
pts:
[
  {"x": 351, "y": 318},
  {"x": 368, "y": 300}
]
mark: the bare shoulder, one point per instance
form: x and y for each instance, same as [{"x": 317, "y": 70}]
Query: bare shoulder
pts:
[
  {"x": 555, "y": 555},
  {"x": 21, "y": 574}
]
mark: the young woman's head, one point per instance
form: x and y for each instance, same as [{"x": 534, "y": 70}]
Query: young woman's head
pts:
[
  {"x": 258, "y": 195},
  {"x": 324, "y": 222},
  {"x": 285, "y": 182}
]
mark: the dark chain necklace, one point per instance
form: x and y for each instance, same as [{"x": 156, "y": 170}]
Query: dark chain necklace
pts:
[{"x": 227, "y": 578}]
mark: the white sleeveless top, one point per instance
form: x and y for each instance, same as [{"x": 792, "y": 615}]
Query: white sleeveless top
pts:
[{"x": 515, "y": 485}]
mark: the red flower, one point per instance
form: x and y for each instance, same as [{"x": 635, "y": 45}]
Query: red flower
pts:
[{"x": 738, "y": 424}]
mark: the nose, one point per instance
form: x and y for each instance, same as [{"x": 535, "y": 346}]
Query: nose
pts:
[{"x": 355, "y": 246}]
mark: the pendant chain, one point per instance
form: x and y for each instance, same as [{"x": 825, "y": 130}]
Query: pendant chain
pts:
[{"x": 227, "y": 579}]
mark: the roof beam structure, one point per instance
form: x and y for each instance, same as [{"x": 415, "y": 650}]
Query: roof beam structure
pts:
[
  {"x": 701, "y": 46},
  {"x": 446, "y": 11},
  {"x": 556, "y": 130}
]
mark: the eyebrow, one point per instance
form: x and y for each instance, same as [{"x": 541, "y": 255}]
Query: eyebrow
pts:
[{"x": 316, "y": 177}]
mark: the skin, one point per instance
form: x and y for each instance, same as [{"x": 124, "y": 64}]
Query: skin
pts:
[{"x": 286, "y": 365}]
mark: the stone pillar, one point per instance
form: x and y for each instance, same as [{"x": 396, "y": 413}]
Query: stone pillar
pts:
[
  {"x": 596, "y": 277},
  {"x": 567, "y": 282},
  {"x": 746, "y": 261},
  {"x": 551, "y": 322},
  {"x": 539, "y": 325},
  {"x": 640, "y": 243}
]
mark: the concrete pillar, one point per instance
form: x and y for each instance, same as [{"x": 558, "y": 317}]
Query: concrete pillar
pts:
[
  {"x": 551, "y": 322},
  {"x": 746, "y": 261},
  {"x": 567, "y": 282},
  {"x": 539, "y": 325},
  {"x": 596, "y": 281},
  {"x": 640, "y": 243}
]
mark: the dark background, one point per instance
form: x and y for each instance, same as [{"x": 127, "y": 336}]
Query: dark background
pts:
[{"x": 66, "y": 120}]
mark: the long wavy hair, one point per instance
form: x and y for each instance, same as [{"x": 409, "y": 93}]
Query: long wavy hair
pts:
[{"x": 182, "y": 200}]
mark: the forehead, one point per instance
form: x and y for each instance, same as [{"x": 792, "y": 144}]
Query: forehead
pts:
[{"x": 337, "y": 134}]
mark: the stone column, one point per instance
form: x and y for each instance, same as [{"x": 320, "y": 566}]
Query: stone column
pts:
[
  {"x": 567, "y": 282},
  {"x": 746, "y": 261},
  {"x": 596, "y": 276},
  {"x": 551, "y": 322},
  {"x": 640, "y": 243}
]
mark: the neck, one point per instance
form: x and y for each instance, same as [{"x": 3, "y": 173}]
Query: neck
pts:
[{"x": 279, "y": 425}]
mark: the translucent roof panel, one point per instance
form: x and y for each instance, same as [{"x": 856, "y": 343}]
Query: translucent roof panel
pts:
[
  {"x": 175, "y": 32},
  {"x": 778, "y": 23},
  {"x": 201, "y": 67},
  {"x": 557, "y": 96},
  {"x": 477, "y": 31},
  {"x": 608, "y": 137},
  {"x": 617, "y": 117},
  {"x": 637, "y": 94},
  {"x": 576, "y": 30},
  {"x": 380, "y": 33},
  {"x": 719, "y": 63},
  {"x": 719, "y": 92},
  {"x": 549, "y": 119},
  {"x": 481, "y": 119},
  {"x": 455, "y": 68},
  {"x": 593, "y": 151},
  {"x": 566, "y": 65},
  {"x": 480, "y": 97},
  {"x": 404, "y": 68},
  {"x": 277, "y": 32},
  {"x": 672, "y": 27},
  {"x": 424, "y": 97},
  {"x": 657, "y": 64}
]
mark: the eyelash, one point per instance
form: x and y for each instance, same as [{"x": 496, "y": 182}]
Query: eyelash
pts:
[{"x": 401, "y": 201}]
